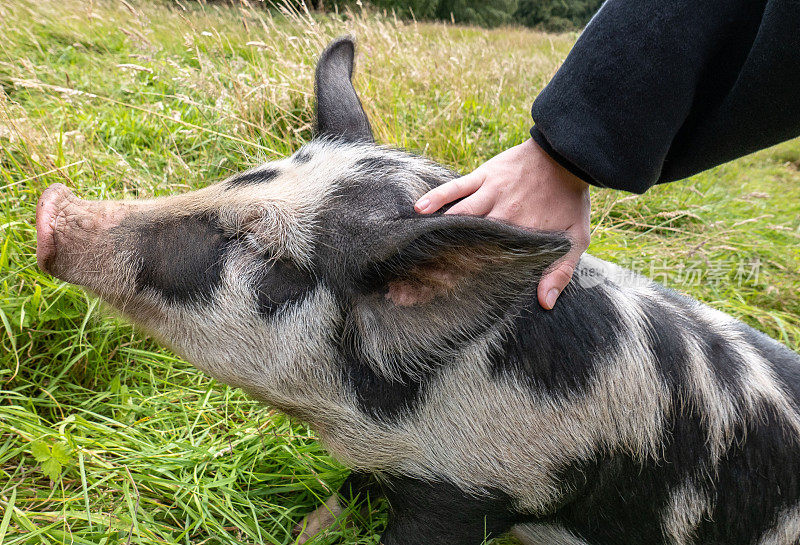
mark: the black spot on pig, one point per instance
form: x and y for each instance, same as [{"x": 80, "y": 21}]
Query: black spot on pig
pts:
[
  {"x": 439, "y": 512},
  {"x": 378, "y": 163},
  {"x": 616, "y": 498},
  {"x": 385, "y": 399},
  {"x": 769, "y": 460},
  {"x": 302, "y": 156},
  {"x": 361, "y": 485},
  {"x": 535, "y": 351},
  {"x": 726, "y": 364},
  {"x": 667, "y": 328},
  {"x": 258, "y": 177},
  {"x": 180, "y": 258},
  {"x": 664, "y": 330},
  {"x": 392, "y": 399},
  {"x": 282, "y": 284}
]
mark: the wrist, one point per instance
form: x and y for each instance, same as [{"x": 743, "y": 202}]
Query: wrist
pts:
[
  {"x": 544, "y": 146},
  {"x": 554, "y": 169}
]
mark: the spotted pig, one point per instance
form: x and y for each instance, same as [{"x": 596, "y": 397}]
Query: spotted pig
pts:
[{"x": 415, "y": 347}]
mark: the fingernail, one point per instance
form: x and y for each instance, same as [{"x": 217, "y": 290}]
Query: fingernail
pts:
[
  {"x": 552, "y": 295},
  {"x": 422, "y": 204}
]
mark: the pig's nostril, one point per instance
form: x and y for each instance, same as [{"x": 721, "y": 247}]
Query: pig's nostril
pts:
[{"x": 46, "y": 217}]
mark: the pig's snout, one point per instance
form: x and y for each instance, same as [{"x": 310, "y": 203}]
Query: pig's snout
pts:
[
  {"x": 51, "y": 204},
  {"x": 73, "y": 236}
]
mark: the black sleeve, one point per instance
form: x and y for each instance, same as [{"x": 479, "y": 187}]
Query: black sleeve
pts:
[{"x": 658, "y": 90}]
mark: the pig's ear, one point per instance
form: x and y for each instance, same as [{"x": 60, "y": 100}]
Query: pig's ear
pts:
[
  {"x": 426, "y": 258},
  {"x": 429, "y": 284},
  {"x": 339, "y": 112}
]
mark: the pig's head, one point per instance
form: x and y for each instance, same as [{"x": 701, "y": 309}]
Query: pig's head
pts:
[{"x": 270, "y": 279}]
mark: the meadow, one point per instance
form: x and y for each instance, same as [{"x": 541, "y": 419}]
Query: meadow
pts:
[{"x": 105, "y": 438}]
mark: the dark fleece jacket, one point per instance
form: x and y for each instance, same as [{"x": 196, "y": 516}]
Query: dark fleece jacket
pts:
[{"x": 658, "y": 90}]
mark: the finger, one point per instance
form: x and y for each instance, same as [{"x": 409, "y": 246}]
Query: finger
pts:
[
  {"x": 554, "y": 282},
  {"x": 479, "y": 203},
  {"x": 434, "y": 199}
]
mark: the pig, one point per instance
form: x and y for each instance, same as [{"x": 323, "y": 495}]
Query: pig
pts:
[{"x": 415, "y": 347}]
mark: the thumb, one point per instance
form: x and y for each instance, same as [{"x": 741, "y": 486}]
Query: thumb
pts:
[{"x": 554, "y": 282}]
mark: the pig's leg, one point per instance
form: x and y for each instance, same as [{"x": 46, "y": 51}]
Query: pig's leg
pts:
[
  {"x": 441, "y": 514},
  {"x": 323, "y": 517}
]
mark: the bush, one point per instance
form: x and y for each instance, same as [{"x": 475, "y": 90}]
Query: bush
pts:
[
  {"x": 460, "y": 11},
  {"x": 556, "y": 15}
]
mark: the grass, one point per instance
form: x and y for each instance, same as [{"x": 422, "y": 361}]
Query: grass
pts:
[{"x": 106, "y": 438}]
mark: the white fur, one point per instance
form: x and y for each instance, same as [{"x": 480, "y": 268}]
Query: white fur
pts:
[
  {"x": 545, "y": 534},
  {"x": 688, "y": 506},
  {"x": 786, "y": 531}
]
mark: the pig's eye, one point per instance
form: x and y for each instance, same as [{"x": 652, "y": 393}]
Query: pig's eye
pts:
[{"x": 280, "y": 285}]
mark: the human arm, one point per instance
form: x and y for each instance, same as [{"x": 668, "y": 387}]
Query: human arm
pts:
[
  {"x": 653, "y": 91},
  {"x": 657, "y": 90}
]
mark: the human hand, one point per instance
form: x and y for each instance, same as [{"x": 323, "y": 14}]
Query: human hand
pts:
[{"x": 525, "y": 186}]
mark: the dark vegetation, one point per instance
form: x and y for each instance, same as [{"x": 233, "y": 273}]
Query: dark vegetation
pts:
[
  {"x": 555, "y": 15},
  {"x": 551, "y": 15}
]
